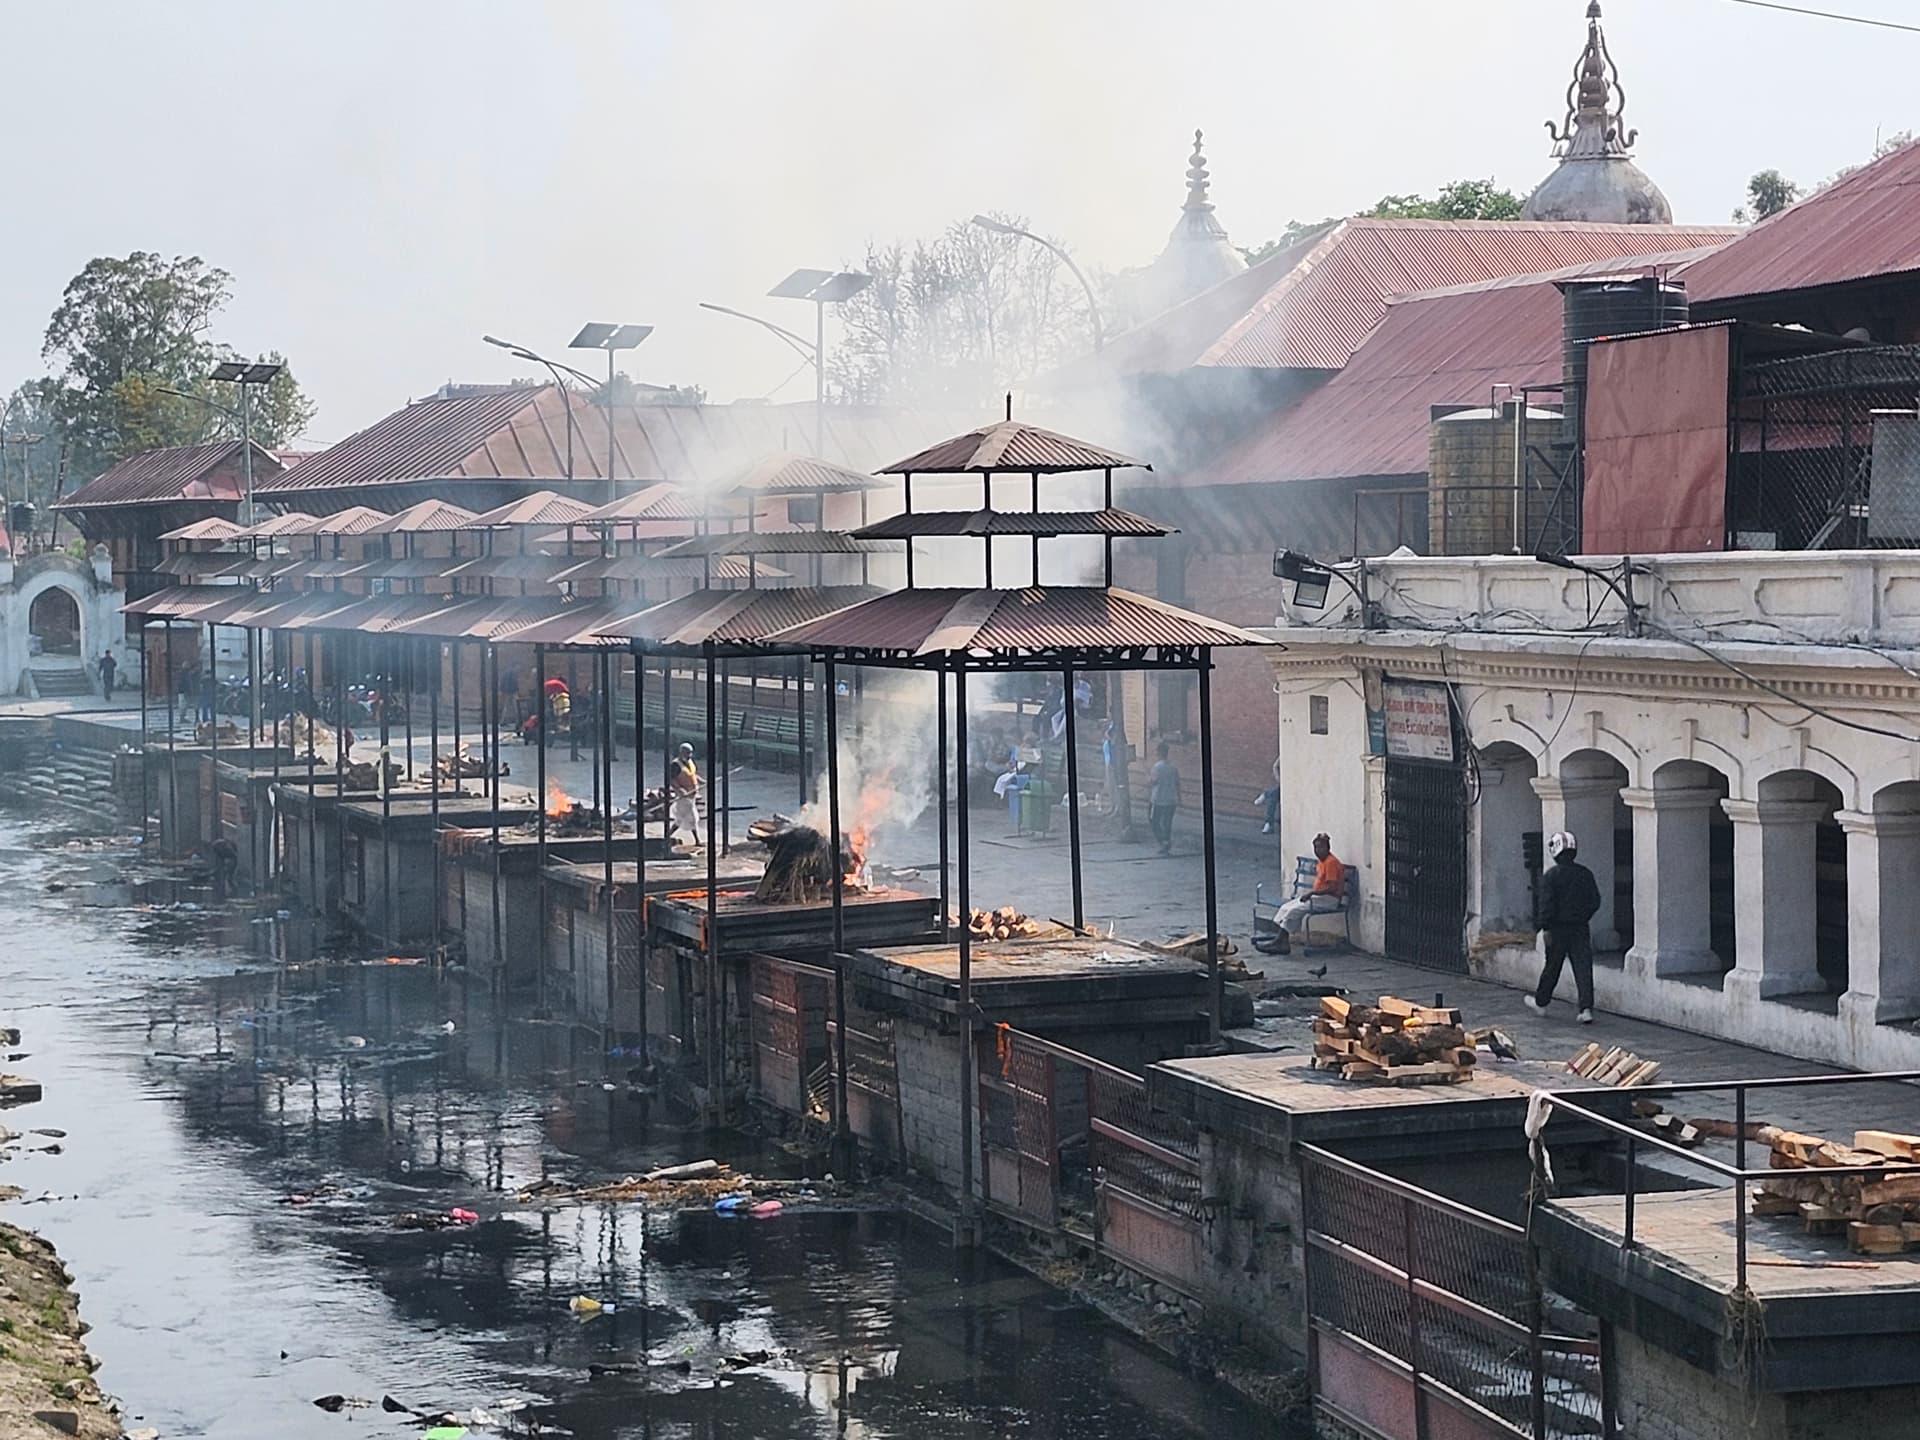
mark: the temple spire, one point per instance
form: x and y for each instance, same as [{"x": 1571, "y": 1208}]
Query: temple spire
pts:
[
  {"x": 1197, "y": 177},
  {"x": 1596, "y": 179}
]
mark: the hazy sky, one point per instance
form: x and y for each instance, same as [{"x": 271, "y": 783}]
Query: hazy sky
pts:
[{"x": 387, "y": 179}]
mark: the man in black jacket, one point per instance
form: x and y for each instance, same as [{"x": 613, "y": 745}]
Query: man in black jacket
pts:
[{"x": 1568, "y": 899}]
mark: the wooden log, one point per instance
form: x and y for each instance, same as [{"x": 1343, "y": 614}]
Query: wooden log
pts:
[
  {"x": 1394, "y": 1005},
  {"x": 1672, "y": 1127},
  {"x": 1335, "y": 1008},
  {"x": 1911, "y": 1229},
  {"x": 1875, "y": 1239},
  {"x": 1724, "y": 1129},
  {"x": 1903, "y": 1189},
  {"x": 1886, "y": 1142},
  {"x": 1584, "y": 1059},
  {"x": 1821, "y": 1221},
  {"x": 1641, "y": 1074},
  {"x": 1765, "y": 1203},
  {"x": 1800, "y": 1147}
]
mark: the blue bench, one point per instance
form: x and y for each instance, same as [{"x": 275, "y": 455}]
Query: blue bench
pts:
[{"x": 1266, "y": 912}]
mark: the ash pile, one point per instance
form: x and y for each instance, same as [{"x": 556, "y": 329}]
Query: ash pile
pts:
[{"x": 800, "y": 865}]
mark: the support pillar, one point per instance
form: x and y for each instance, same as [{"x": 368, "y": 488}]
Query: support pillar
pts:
[
  {"x": 1584, "y": 806},
  {"x": 1672, "y": 882},
  {"x": 1773, "y": 893},
  {"x": 1883, "y": 917}
]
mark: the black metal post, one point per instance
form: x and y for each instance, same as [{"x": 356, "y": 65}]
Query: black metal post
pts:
[
  {"x": 940, "y": 767},
  {"x": 146, "y": 666},
  {"x": 173, "y": 768},
  {"x": 725, "y": 776},
  {"x": 801, "y": 666},
  {"x": 453, "y": 659},
  {"x": 1739, "y": 1188},
  {"x": 967, "y": 1082},
  {"x": 606, "y": 823},
  {"x": 313, "y": 840},
  {"x": 1108, "y": 493},
  {"x": 490, "y": 697},
  {"x": 906, "y": 489},
  {"x": 1073, "y": 802},
  {"x": 407, "y": 649},
  {"x": 339, "y": 763},
  {"x": 843, "y": 1155},
  {"x": 210, "y": 686},
  {"x": 666, "y": 737},
  {"x": 1632, "y": 1161},
  {"x": 1216, "y": 981},
  {"x": 640, "y": 839},
  {"x": 386, "y": 791},
  {"x": 540, "y": 812},
  {"x": 573, "y": 689},
  {"x": 716, "y": 1104},
  {"x": 433, "y": 768}
]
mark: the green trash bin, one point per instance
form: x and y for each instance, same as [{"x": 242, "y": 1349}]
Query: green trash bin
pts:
[{"x": 1036, "y": 808}]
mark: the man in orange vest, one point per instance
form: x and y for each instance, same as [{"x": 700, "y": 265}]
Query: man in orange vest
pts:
[{"x": 1329, "y": 889}]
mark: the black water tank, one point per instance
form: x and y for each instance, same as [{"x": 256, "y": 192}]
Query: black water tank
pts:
[{"x": 1596, "y": 308}]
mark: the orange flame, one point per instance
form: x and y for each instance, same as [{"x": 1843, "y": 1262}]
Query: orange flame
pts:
[
  {"x": 559, "y": 803},
  {"x": 856, "y": 839}
]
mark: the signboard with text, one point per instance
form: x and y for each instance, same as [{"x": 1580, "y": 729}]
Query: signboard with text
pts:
[{"x": 1419, "y": 721}]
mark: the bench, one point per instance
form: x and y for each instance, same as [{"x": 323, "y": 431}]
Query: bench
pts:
[
  {"x": 1266, "y": 913},
  {"x": 771, "y": 734}
]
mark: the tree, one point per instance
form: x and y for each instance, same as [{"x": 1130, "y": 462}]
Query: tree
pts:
[
  {"x": 129, "y": 330},
  {"x": 1460, "y": 200},
  {"x": 951, "y": 322},
  {"x": 1768, "y": 193}
]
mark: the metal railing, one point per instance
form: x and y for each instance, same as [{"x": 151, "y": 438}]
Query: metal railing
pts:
[
  {"x": 1737, "y": 1174},
  {"x": 1444, "y": 1297}
]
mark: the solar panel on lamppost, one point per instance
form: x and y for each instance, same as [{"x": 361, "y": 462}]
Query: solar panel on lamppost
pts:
[
  {"x": 247, "y": 374},
  {"x": 823, "y": 288},
  {"x": 598, "y": 335}
]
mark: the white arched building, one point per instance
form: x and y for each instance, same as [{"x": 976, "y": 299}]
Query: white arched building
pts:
[
  {"x": 58, "y": 615},
  {"x": 1739, "y": 757}
]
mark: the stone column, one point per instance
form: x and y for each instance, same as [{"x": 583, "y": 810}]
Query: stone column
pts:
[
  {"x": 1883, "y": 917},
  {"x": 1672, "y": 882},
  {"x": 1773, "y": 893},
  {"x": 1584, "y": 805}
]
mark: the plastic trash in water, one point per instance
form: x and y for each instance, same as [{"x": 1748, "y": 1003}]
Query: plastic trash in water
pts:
[
  {"x": 446, "y": 1432},
  {"x": 766, "y": 1208},
  {"x": 728, "y": 1204},
  {"x": 587, "y": 1305},
  {"x": 463, "y": 1217}
]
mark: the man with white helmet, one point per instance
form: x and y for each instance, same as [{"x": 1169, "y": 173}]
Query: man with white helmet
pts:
[
  {"x": 683, "y": 784},
  {"x": 1567, "y": 901}
]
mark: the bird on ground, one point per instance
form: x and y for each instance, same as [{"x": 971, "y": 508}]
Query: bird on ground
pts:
[{"x": 1319, "y": 974}]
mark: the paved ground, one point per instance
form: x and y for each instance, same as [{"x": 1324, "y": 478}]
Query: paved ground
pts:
[{"x": 1142, "y": 895}]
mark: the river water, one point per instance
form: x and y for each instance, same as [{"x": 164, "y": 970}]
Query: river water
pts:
[{"x": 244, "y": 1124}]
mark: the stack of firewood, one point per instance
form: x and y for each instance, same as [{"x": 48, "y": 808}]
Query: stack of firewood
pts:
[
  {"x": 1613, "y": 1066},
  {"x": 1879, "y": 1215},
  {"x": 1395, "y": 1042},
  {"x": 1002, "y": 923}
]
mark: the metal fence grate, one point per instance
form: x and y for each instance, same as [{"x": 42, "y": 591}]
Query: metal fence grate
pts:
[
  {"x": 1447, "y": 1292},
  {"x": 1153, "y": 1156}
]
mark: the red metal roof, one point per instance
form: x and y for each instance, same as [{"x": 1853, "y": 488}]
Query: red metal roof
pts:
[
  {"x": 211, "y": 528},
  {"x": 427, "y": 516},
  {"x": 1011, "y": 522},
  {"x": 784, "y": 473},
  {"x": 294, "y": 522},
  {"x": 1865, "y": 225},
  {"x": 951, "y": 622},
  {"x": 543, "y": 507},
  {"x": 524, "y": 433},
  {"x": 355, "y": 520},
  {"x": 731, "y": 616},
  {"x": 178, "y": 472},
  {"x": 770, "y": 542},
  {"x": 1371, "y": 419},
  {"x": 1011, "y": 445},
  {"x": 1313, "y": 306}
]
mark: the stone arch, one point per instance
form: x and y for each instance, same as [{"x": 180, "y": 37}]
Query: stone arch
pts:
[
  {"x": 32, "y": 581},
  {"x": 1583, "y": 795},
  {"x": 53, "y": 618},
  {"x": 1686, "y": 920},
  {"x": 1798, "y": 851},
  {"x": 1883, "y": 858},
  {"x": 1507, "y": 838}
]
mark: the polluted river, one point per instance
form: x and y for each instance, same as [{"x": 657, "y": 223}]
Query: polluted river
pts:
[{"x": 249, "y": 1120}]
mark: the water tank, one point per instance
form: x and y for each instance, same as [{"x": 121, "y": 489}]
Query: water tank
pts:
[{"x": 1596, "y": 308}]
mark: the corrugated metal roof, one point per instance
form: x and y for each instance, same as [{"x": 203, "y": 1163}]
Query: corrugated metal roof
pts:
[
  {"x": 1011, "y": 445},
  {"x": 731, "y": 616},
  {"x": 424, "y": 518},
  {"x": 770, "y": 542},
  {"x": 924, "y": 623},
  {"x": 1371, "y": 419},
  {"x": 523, "y": 433},
  {"x": 542, "y": 507},
  {"x": 1011, "y": 522},
  {"x": 652, "y": 567},
  {"x": 1313, "y": 306},
  {"x": 509, "y": 567},
  {"x": 211, "y": 528},
  {"x": 294, "y": 522},
  {"x": 1865, "y": 225},
  {"x": 575, "y": 626},
  {"x": 178, "y": 472},
  {"x": 202, "y": 564},
  {"x": 785, "y": 473},
  {"x": 356, "y": 520},
  {"x": 656, "y": 502}
]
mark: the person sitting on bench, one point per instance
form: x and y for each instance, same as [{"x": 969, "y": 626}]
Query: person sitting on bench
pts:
[{"x": 1329, "y": 889}]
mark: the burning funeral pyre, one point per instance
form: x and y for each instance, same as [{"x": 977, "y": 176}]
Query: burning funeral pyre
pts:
[{"x": 800, "y": 862}]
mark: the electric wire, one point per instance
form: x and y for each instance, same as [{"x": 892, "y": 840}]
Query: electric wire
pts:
[{"x": 1832, "y": 15}]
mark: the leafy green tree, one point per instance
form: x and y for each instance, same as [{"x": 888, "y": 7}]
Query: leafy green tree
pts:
[
  {"x": 130, "y": 330},
  {"x": 1768, "y": 193},
  {"x": 1460, "y": 200}
]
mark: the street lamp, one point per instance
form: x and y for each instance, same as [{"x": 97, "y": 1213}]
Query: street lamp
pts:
[
  {"x": 823, "y": 288},
  {"x": 247, "y": 374},
  {"x": 597, "y": 335},
  {"x": 1312, "y": 580},
  {"x": 1000, "y": 227},
  {"x": 554, "y": 367}
]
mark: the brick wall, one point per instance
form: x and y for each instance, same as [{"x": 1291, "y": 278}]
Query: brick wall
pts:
[{"x": 929, "y": 1065}]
